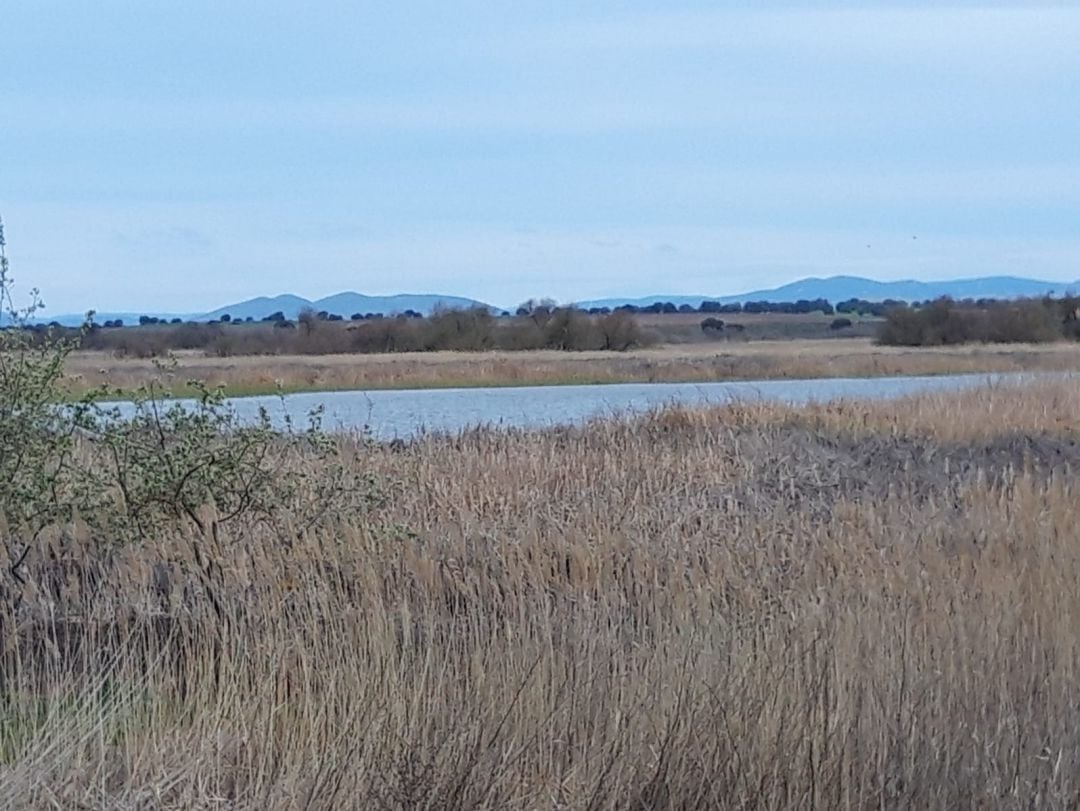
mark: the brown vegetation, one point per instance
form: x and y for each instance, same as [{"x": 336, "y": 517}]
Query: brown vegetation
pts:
[
  {"x": 684, "y": 363},
  {"x": 686, "y": 328},
  {"x": 945, "y": 322},
  {"x": 477, "y": 329},
  {"x": 843, "y": 606}
]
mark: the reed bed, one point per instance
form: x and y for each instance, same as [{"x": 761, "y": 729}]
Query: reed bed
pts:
[
  {"x": 850, "y": 605},
  {"x": 685, "y": 363}
]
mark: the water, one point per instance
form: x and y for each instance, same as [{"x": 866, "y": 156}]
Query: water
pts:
[{"x": 401, "y": 414}]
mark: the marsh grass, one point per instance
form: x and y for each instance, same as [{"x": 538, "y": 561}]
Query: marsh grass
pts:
[
  {"x": 843, "y": 606},
  {"x": 672, "y": 364}
]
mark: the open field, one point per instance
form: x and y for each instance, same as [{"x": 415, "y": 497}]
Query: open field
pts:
[
  {"x": 682, "y": 363},
  {"x": 845, "y": 606},
  {"x": 682, "y": 328}
]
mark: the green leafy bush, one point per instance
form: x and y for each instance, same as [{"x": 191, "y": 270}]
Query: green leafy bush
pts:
[{"x": 117, "y": 475}]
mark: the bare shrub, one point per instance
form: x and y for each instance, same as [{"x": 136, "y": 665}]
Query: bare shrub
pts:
[
  {"x": 712, "y": 325},
  {"x": 619, "y": 331},
  {"x": 458, "y": 330},
  {"x": 945, "y": 322}
]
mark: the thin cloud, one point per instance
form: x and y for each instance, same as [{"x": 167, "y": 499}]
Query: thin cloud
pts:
[{"x": 497, "y": 152}]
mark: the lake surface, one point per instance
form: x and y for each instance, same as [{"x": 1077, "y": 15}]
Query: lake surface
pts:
[{"x": 401, "y": 414}]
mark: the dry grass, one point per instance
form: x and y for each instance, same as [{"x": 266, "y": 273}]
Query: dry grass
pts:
[
  {"x": 690, "y": 363},
  {"x": 683, "y": 328},
  {"x": 844, "y": 606}
]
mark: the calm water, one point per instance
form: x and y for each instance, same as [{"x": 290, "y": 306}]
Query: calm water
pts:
[{"x": 392, "y": 414}]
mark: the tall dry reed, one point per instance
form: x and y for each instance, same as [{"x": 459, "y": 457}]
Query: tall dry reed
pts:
[{"x": 843, "y": 606}]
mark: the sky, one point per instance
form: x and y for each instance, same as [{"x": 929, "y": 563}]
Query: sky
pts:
[{"x": 173, "y": 157}]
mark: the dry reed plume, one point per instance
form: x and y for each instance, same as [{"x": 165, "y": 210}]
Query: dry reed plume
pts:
[{"x": 844, "y": 606}]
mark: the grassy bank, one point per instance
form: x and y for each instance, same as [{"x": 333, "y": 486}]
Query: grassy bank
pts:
[
  {"x": 672, "y": 364},
  {"x": 854, "y": 605}
]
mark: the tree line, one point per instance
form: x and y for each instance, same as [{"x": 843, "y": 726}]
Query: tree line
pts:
[
  {"x": 545, "y": 325},
  {"x": 706, "y": 307},
  {"x": 317, "y": 333},
  {"x": 946, "y": 321}
]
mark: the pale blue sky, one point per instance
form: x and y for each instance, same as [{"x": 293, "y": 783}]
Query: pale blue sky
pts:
[{"x": 177, "y": 156}]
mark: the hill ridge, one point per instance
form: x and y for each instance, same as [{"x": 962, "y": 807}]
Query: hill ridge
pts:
[
  {"x": 842, "y": 287},
  {"x": 833, "y": 288}
]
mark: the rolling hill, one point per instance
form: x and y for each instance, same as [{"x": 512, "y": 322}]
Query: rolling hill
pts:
[
  {"x": 839, "y": 288},
  {"x": 832, "y": 288},
  {"x": 343, "y": 304}
]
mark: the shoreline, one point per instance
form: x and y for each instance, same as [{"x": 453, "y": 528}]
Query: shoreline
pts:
[
  {"x": 243, "y": 394},
  {"x": 253, "y": 376}
]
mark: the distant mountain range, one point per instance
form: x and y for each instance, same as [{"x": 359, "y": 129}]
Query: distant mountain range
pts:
[
  {"x": 841, "y": 288},
  {"x": 833, "y": 288},
  {"x": 343, "y": 304}
]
